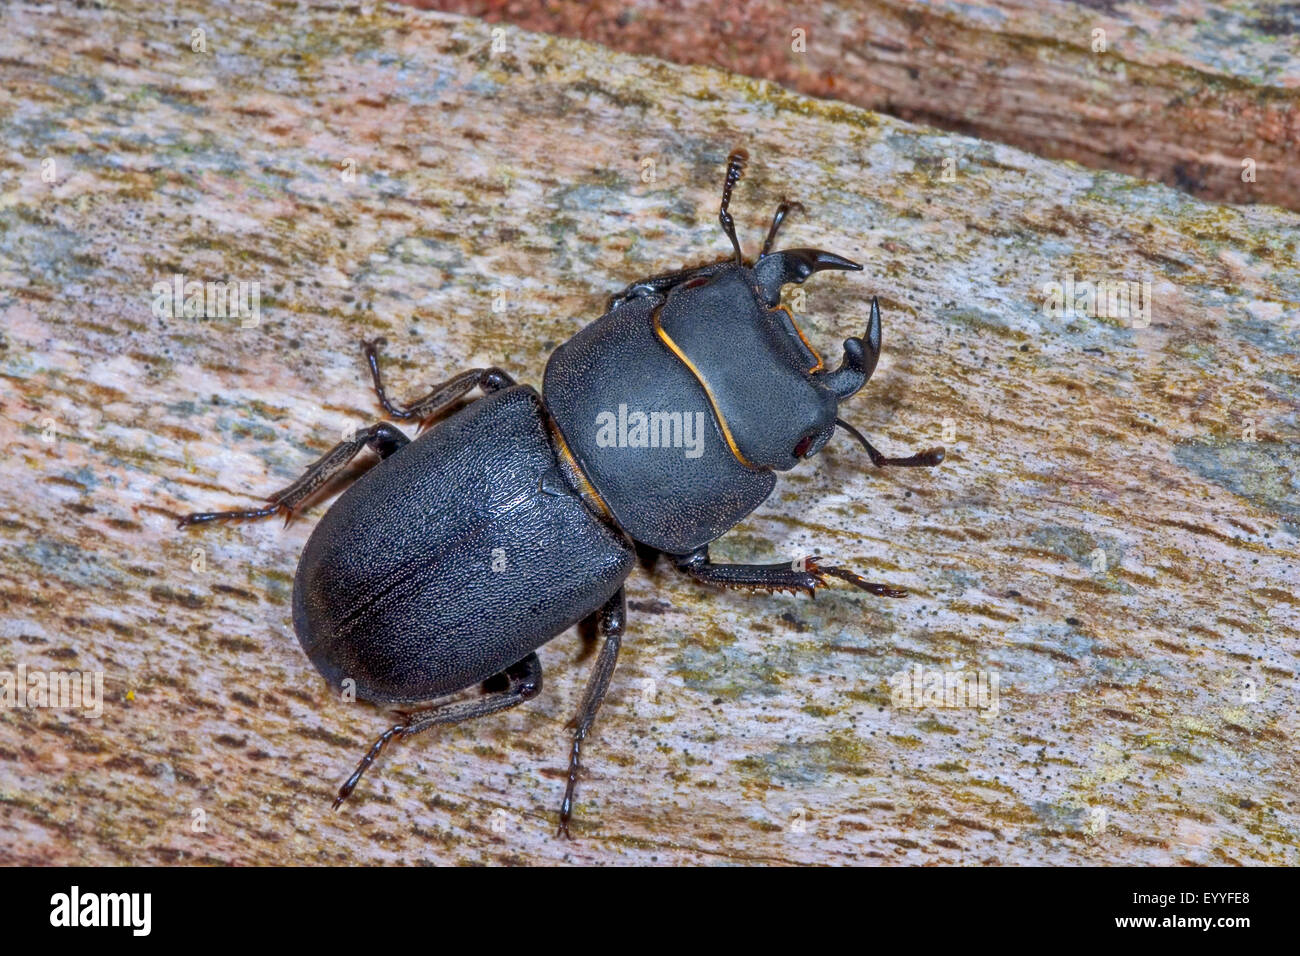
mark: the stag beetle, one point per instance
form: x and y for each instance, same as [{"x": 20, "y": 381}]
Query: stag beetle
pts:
[{"x": 451, "y": 561}]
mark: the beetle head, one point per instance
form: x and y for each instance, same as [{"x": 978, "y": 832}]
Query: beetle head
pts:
[
  {"x": 772, "y": 396},
  {"x": 860, "y": 353},
  {"x": 775, "y": 401}
]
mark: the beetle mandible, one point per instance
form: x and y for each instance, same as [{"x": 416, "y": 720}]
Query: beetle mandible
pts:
[{"x": 451, "y": 561}]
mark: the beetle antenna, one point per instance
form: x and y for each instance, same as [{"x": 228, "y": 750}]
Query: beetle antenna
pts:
[
  {"x": 735, "y": 169},
  {"x": 779, "y": 217},
  {"x": 927, "y": 459}
]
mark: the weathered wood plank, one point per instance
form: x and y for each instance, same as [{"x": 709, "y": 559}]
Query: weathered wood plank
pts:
[
  {"x": 1181, "y": 91},
  {"x": 1146, "y": 695}
]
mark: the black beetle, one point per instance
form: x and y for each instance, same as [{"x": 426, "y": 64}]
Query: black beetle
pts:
[{"x": 451, "y": 561}]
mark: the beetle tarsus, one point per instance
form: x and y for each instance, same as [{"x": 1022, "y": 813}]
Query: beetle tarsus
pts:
[
  {"x": 922, "y": 459},
  {"x": 566, "y": 805},
  {"x": 871, "y": 587},
  {"x": 375, "y": 750},
  {"x": 204, "y": 517}
]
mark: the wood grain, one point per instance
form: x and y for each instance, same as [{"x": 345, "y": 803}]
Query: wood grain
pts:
[
  {"x": 1147, "y": 696},
  {"x": 1181, "y": 91}
]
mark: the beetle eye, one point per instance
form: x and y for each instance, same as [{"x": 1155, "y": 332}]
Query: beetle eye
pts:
[{"x": 801, "y": 449}]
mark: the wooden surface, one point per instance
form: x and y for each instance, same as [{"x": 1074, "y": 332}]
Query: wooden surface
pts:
[
  {"x": 1147, "y": 709},
  {"x": 1176, "y": 90}
]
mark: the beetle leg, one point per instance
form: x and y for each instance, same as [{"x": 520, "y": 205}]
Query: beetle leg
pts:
[
  {"x": 442, "y": 396},
  {"x": 611, "y": 619},
  {"x": 516, "y": 684},
  {"x": 807, "y": 575},
  {"x": 383, "y": 438}
]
